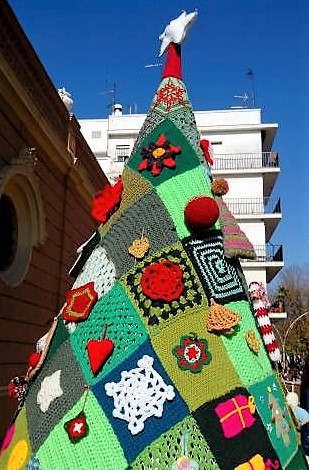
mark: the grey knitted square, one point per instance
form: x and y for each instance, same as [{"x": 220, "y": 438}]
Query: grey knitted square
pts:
[{"x": 71, "y": 380}]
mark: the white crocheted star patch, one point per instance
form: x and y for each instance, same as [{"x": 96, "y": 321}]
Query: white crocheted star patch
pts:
[{"x": 49, "y": 391}]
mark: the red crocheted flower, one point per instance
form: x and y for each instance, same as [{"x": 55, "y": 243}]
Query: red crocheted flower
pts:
[
  {"x": 106, "y": 201},
  {"x": 207, "y": 151},
  {"x": 158, "y": 155},
  {"x": 192, "y": 353},
  {"x": 77, "y": 428},
  {"x": 163, "y": 281}
]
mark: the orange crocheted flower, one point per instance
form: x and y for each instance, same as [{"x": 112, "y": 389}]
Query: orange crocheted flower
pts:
[
  {"x": 106, "y": 201},
  {"x": 163, "y": 281},
  {"x": 157, "y": 155}
]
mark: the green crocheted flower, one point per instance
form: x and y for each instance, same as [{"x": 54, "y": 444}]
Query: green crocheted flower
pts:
[{"x": 192, "y": 353}]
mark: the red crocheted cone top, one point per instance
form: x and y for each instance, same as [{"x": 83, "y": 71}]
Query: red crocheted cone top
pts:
[{"x": 172, "y": 66}]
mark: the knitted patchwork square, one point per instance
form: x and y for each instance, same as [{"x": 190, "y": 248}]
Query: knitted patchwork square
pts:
[
  {"x": 152, "y": 120},
  {"x": 140, "y": 401},
  {"x": 98, "y": 269},
  {"x": 218, "y": 276},
  {"x": 183, "y": 161},
  {"x": 215, "y": 378},
  {"x": 177, "y": 192},
  {"x": 52, "y": 394},
  {"x": 60, "y": 336},
  {"x": 34, "y": 464},
  {"x": 171, "y": 95},
  {"x": 147, "y": 217},
  {"x": 124, "y": 328},
  {"x": 298, "y": 462},
  {"x": 251, "y": 367},
  {"x": 270, "y": 404},
  {"x": 168, "y": 448},
  {"x": 134, "y": 188},
  {"x": 184, "y": 119},
  {"x": 155, "y": 312},
  {"x": 16, "y": 448},
  {"x": 233, "y": 429},
  {"x": 99, "y": 449}
]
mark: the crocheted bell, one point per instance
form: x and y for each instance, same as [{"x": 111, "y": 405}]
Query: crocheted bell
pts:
[{"x": 166, "y": 386}]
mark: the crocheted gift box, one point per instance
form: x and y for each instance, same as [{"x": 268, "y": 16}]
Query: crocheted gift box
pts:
[{"x": 235, "y": 415}]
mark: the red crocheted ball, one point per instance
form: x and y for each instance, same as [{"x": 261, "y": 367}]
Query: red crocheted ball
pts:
[
  {"x": 34, "y": 359},
  {"x": 201, "y": 213}
]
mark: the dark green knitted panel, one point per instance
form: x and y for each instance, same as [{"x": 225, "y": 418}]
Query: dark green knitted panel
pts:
[
  {"x": 165, "y": 451},
  {"x": 125, "y": 329},
  {"x": 185, "y": 161},
  {"x": 60, "y": 335},
  {"x": 298, "y": 462},
  {"x": 148, "y": 217}
]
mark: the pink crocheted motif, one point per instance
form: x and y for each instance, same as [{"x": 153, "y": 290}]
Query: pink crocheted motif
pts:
[{"x": 236, "y": 415}]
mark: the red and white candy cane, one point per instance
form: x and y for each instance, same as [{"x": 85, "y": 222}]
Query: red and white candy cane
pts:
[{"x": 261, "y": 307}]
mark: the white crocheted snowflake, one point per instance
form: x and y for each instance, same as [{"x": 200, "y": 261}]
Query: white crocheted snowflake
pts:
[
  {"x": 140, "y": 394},
  {"x": 49, "y": 391}
]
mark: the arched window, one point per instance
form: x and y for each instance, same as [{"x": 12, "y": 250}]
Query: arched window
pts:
[{"x": 22, "y": 218}]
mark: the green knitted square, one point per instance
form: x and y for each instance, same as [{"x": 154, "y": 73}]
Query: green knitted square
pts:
[
  {"x": 17, "y": 450},
  {"x": 176, "y": 192},
  {"x": 251, "y": 367},
  {"x": 125, "y": 329},
  {"x": 157, "y": 313},
  {"x": 165, "y": 450},
  {"x": 270, "y": 404},
  {"x": 215, "y": 378},
  {"x": 60, "y": 336},
  {"x": 134, "y": 188},
  {"x": 99, "y": 449},
  {"x": 185, "y": 161},
  {"x": 298, "y": 462}
]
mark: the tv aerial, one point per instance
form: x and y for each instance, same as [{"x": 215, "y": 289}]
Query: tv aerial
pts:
[{"x": 244, "y": 97}]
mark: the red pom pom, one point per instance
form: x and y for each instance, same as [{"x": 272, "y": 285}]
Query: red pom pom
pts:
[
  {"x": 33, "y": 359},
  {"x": 201, "y": 213}
]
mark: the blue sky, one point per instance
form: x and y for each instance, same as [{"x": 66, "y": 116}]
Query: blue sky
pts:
[{"x": 87, "y": 45}]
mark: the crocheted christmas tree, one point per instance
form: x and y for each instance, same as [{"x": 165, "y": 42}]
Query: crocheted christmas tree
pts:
[{"x": 129, "y": 375}]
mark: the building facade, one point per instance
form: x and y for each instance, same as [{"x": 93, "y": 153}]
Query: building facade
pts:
[
  {"x": 243, "y": 155},
  {"x": 48, "y": 177}
]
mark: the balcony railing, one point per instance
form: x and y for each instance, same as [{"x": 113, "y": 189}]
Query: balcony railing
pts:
[
  {"x": 268, "y": 252},
  {"x": 249, "y": 206},
  {"x": 245, "y": 161}
]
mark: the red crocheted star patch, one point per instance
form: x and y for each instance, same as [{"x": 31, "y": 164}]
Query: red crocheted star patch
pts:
[
  {"x": 79, "y": 303},
  {"x": 169, "y": 95}
]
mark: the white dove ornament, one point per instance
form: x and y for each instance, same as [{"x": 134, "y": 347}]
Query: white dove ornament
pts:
[{"x": 176, "y": 30}]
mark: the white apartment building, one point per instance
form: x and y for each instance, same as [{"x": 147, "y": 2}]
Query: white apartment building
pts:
[{"x": 243, "y": 155}]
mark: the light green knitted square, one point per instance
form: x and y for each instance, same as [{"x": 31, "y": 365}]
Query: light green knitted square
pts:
[
  {"x": 165, "y": 450},
  {"x": 251, "y": 367},
  {"x": 99, "y": 449},
  {"x": 176, "y": 193}
]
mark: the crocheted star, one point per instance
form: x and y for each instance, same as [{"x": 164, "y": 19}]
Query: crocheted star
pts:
[
  {"x": 79, "y": 302},
  {"x": 157, "y": 155},
  {"x": 140, "y": 394},
  {"x": 163, "y": 281},
  {"x": 49, "y": 391},
  {"x": 169, "y": 95},
  {"x": 106, "y": 201},
  {"x": 192, "y": 353},
  {"x": 77, "y": 428}
]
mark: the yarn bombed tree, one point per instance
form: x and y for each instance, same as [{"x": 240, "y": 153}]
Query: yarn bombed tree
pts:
[{"x": 155, "y": 360}]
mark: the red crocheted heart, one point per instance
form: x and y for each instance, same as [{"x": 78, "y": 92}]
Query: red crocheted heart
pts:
[{"x": 99, "y": 351}]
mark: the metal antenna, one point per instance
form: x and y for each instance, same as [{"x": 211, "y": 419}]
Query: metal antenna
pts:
[
  {"x": 152, "y": 65},
  {"x": 250, "y": 75},
  {"x": 113, "y": 95},
  {"x": 243, "y": 97}
]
